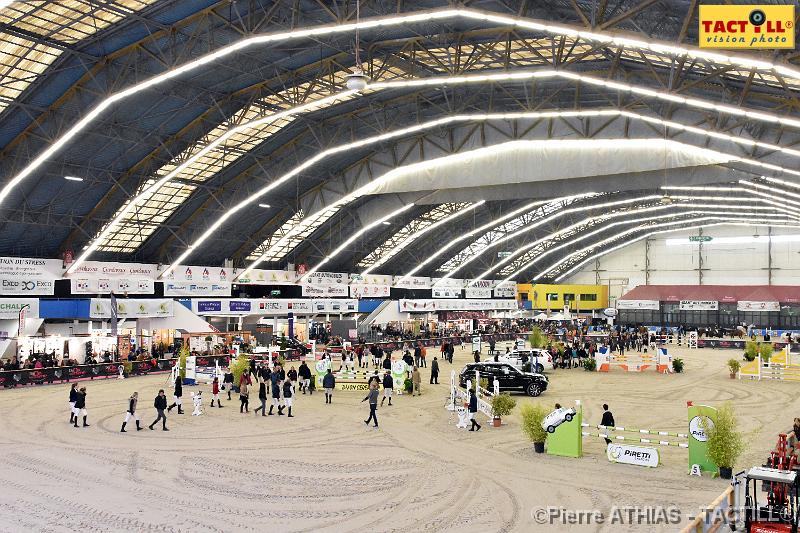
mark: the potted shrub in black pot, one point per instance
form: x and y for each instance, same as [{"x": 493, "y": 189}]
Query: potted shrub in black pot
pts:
[
  {"x": 725, "y": 442},
  {"x": 532, "y": 418}
]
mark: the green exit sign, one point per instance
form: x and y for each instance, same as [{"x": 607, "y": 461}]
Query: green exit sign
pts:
[
  {"x": 503, "y": 255},
  {"x": 700, "y": 238}
]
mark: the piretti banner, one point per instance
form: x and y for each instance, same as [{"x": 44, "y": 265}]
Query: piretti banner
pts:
[
  {"x": 699, "y": 305},
  {"x": 425, "y": 306},
  {"x": 652, "y": 305},
  {"x": 747, "y": 27}
]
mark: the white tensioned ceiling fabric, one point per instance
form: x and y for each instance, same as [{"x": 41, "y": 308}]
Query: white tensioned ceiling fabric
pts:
[{"x": 547, "y": 160}]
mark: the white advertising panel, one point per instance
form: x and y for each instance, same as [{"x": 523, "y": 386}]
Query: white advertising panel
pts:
[
  {"x": 475, "y": 292},
  {"x": 139, "y": 308},
  {"x": 454, "y": 283},
  {"x": 445, "y": 292},
  {"x": 412, "y": 282},
  {"x": 699, "y": 305},
  {"x": 325, "y": 290},
  {"x": 109, "y": 285},
  {"x": 25, "y": 276},
  {"x": 241, "y": 306},
  {"x": 652, "y": 305},
  {"x": 422, "y": 306},
  {"x": 369, "y": 291},
  {"x": 102, "y": 270},
  {"x": 370, "y": 279},
  {"x": 185, "y": 288},
  {"x": 326, "y": 278},
  {"x": 10, "y": 307},
  {"x": 746, "y": 305},
  {"x": 199, "y": 274},
  {"x": 259, "y": 276},
  {"x": 632, "y": 455},
  {"x": 506, "y": 290}
]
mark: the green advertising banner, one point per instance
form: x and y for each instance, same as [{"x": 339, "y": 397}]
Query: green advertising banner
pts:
[
  {"x": 567, "y": 440},
  {"x": 698, "y": 446}
]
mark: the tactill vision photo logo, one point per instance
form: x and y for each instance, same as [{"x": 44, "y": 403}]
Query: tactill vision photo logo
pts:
[{"x": 696, "y": 427}]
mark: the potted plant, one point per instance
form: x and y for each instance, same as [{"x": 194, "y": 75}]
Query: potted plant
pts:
[
  {"x": 725, "y": 443},
  {"x": 238, "y": 367},
  {"x": 765, "y": 351},
  {"x": 484, "y": 384},
  {"x": 734, "y": 366},
  {"x": 590, "y": 364},
  {"x": 532, "y": 418},
  {"x": 750, "y": 350},
  {"x": 502, "y": 405},
  {"x": 537, "y": 338},
  {"x": 677, "y": 365},
  {"x": 408, "y": 386}
]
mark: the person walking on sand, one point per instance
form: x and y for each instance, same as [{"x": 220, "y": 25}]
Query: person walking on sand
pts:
[
  {"x": 262, "y": 395},
  {"x": 80, "y": 407},
  {"x": 244, "y": 396},
  {"x": 435, "y": 371},
  {"x": 73, "y": 396},
  {"x": 473, "y": 409},
  {"x": 372, "y": 396},
  {"x": 607, "y": 421},
  {"x": 227, "y": 382},
  {"x": 288, "y": 396},
  {"x": 160, "y": 403},
  {"x": 416, "y": 380},
  {"x": 305, "y": 378},
  {"x": 215, "y": 393},
  {"x": 176, "y": 398},
  {"x": 132, "y": 413},
  {"x": 275, "y": 383},
  {"x": 388, "y": 388},
  {"x": 328, "y": 383}
]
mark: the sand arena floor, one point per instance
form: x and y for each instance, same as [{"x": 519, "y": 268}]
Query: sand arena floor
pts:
[{"x": 325, "y": 471}]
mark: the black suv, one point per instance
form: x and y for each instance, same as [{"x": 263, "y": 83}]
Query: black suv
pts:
[{"x": 509, "y": 377}]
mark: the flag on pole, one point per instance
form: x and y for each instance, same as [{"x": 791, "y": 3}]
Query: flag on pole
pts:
[
  {"x": 23, "y": 312},
  {"x": 113, "y": 315}
]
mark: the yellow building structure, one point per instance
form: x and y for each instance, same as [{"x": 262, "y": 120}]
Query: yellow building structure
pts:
[{"x": 556, "y": 297}]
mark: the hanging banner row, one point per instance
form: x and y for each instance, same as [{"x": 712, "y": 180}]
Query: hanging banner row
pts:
[
  {"x": 36, "y": 277},
  {"x": 244, "y": 306}
]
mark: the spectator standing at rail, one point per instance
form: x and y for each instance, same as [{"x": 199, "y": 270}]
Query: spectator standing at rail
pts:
[
  {"x": 80, "y": 407},
  {"x": 607, "y": 421},
  {"x": 160, "y": 403},
  {"x": 131, "y": 413}
]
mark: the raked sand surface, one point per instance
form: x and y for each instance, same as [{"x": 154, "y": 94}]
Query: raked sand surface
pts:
[{"x": 323, "y": 470}]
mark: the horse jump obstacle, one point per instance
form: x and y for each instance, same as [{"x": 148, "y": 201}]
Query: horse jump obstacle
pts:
[
  {"x": 780, "y": 368},
  {"x": 567, "y": 440},
  {"x": 634, "y": 363}
]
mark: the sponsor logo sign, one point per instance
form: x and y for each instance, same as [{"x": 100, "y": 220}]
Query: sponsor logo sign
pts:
[
  {"x": 476, "y": 292},
  {"x": 139, "y": 308},
  {"x": 209, "y": 306},
  {"x": 638, "y": 304},
  {"x": 258, "y": 276},
  {"x": 696, "y": 428},
  {"x": 11, "y": 307},
  {"x": 699, "y": 305},
  {"x": 239, "y": 305},
  {"x": 632, "y": 455},
  {"x": 412, "y": 282},
  {"x": 116, "y": 285},
  {"x": 196, "y": 289},
  {"x": 27, "y": 276},
  {"x": 746, "y": 26},
  {"x": 745, "y": 305},
  {"x": 325, "y": 290},
  {"x": 445, "y": 292},
  {"x": 424, "y": 306},
  {"x": 102, "y": 270},
  {"x": 199, "y": 274},
  {"x": 369, "y": 291}
]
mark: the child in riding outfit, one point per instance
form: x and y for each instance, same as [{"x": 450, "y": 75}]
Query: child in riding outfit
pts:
[
  {"x": 288, "y": 396},
  {"x": 176, "y": 399},
  {"x": 131, "y": 412}
]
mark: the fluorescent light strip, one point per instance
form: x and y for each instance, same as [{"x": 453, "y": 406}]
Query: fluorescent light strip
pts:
[
  {"x": 768, "y": 199},
  {"x": 650, "y": 234},
  {"x": 605, "y": 227},
  {"x": 630, "y": 231},
  {"x": 782, "y": 182},
  {"x": 420, "y": 127},
  {"x": 355, "y": 236},
  {"x": 768, "y": 188},
  {"x": 659, "y": 48},
  {"x": 535, "y": 225},
  {"x": 747, "y": 239},
  {"x": 451, "y": 80},
  {"x": 413, "y": 237}
]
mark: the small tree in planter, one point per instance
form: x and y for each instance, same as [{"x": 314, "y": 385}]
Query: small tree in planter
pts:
[
  {"x": 725, "y": 443},
  {"x": 765, "y": 350},
  {"x": 750, "y": 350},
  {"x": 484, "y": 384},
  {"x": 184, "y": 353},
  {"x": 677, "y": 365},
  {"x": 502, "y": 405},
  {"x": 238, "y": 368},
  {"x": 532, "y": 417},
  {"x": 733, "y": 367},
  {"x": 590, "y": 364},
  {"x": 537, "y": 338},
  {"x": 408, "y": 386}
]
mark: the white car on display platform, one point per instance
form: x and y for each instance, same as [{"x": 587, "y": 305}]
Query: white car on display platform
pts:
[
  {"x": 537, "y": 357},
  {"x": 557, "y": 417}
]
